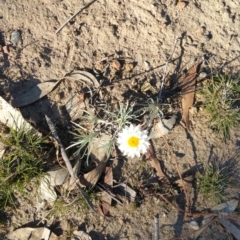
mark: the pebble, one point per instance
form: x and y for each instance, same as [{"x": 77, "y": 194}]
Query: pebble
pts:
[
  {"x": 57, "y": 97},
  {"x": 116, "y": 65},
  {"x": 147, "y": 65},
  {"x": 16, "y": 37},
  {"x": 207, "y": 37},
  {"x": 162, "y": 25},
  {"x": 194, "y": 225},
  {"x": 128, "y": 67},
  {"x": 202, "y": 75},
  {"x": 181, "y": 4}
]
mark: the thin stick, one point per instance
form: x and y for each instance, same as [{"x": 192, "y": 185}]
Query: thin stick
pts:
[
  {"x": 187, "y": 236},
  {"x": 63, "y": 152},
  {"x": 156, "y": 223},
  {"x": 166, "y": 67},
  {"x": 75, "y": 14},
  {"x": 167, "y": 201}
]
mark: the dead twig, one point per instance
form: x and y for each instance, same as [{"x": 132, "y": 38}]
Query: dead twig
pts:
[
  {"x": 187, "y": 236},
  {"x": 217, "y": 70},
  {"x": 166, "y": 67},
  {"x": 199, "y": 214},
  {"x": 75, "y": 14},
  {"x": 63, "y": 152},
  {"x": 167, "y": 201},
  {"x": 156, "y": 223}
]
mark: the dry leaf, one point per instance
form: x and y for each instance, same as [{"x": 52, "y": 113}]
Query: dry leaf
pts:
[
  {"x": 90, "y": 179},
  {"x": 82, "y": 235},
  {"x": 116, "y": 65},
  {"x": 188, "y": 91},
  {"x": 187, "y": 181},
  {"x": 75, "y": 106},
  {"x": 151, "y": 158},
  {"x": 85, "y": 77},
  {"x": 58, "y": 176},
  {"x": 231, "y": 228},
  {"x": 46, "y": 191},
  {"x": 106, "y": 200},
  {"x": 98, "y": 154},
  {"x": 128, "y": 192},
  {"x": 162, "y": 127},
  {"x": 99, "y": 148},
  {"x": 13, "y": 118},
  {"x": 34, "y": 94}
]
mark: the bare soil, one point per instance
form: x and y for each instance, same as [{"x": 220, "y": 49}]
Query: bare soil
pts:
[{"x": 138, "y": 35}]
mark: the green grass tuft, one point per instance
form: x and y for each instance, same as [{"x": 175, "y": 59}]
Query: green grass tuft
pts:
[
  {"x": 222, "y": 102},
  {"x": 22, "y": 161},
  {"x": 213, "y": 183}
]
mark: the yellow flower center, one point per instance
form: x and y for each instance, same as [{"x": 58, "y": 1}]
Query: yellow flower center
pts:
[{"x": 133, "y": 141}]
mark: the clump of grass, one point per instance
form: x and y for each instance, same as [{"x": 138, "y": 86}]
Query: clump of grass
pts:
[
  {"x": 213, "y": 183},
  {"x": 222, "y": 102},
  {"x": 22, "y": 161}
]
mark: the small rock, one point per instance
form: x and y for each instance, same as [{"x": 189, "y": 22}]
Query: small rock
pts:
[
  {"x": 163, "y": 25},
  {"x": 116, "y": 65},
  {"x": 207, "y": 37},
  {"x": 128, "y": 67},
  {"x": 99, "y": 66},
  {"x": 181, "y": 4},
  {"x": 193, "y": 111},
  {"x": 146, "y": 86},
  {"x": 201, "y": 31},
  {"x": 57, "y": 97},
  {"x": 202, "y": 75},
  {"x": 147, "y": 65},
  {"x": 16, "y": 37},
  {"x": 194, "y": 225}
]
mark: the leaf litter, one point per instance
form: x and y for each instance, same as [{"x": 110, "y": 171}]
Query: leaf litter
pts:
[
  {"x": 99, "y": 155},
  {"x": 188, "y": 86},
  {"x": 34, "y": 94}
]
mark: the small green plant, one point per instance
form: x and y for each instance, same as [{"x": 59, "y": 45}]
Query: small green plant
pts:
[
  {"x": 106, "y": 122},
  {"x": 222, "y": 102},
  {"x": 22, "y": 161},
  {"x": 213, "y": 183}
]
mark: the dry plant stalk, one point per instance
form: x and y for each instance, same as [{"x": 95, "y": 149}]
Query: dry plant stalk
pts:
[{"x": 80, "y": 10}]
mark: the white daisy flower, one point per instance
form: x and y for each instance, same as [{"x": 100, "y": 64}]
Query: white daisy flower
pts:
[{"x": 132, "y": 141}]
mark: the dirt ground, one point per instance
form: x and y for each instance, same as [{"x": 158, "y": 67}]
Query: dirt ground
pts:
[{"x": 140, "y": 35}]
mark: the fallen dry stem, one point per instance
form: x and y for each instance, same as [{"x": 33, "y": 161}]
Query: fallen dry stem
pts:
[
  {"x": 200, "y": 214},
  {"x": 63, "y": 152},
  {"x": 166, "y": 67},
  {"x": 75, "y": 14},
  {"x": 187, "y": 236}
]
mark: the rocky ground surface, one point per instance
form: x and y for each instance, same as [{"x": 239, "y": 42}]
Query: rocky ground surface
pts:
[{"x": 129, "y": 43}]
